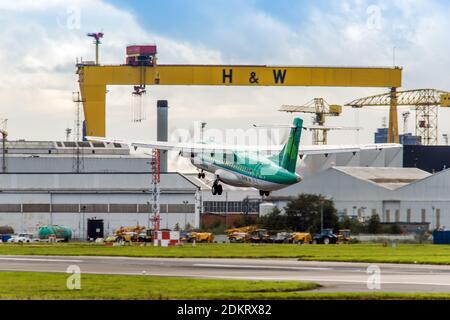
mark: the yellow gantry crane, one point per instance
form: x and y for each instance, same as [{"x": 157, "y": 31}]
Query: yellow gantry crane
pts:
[
  {"x": 425, "y": 102},
  {"x": 94, "y": 79},
  {"x": 320, "y": 108}
]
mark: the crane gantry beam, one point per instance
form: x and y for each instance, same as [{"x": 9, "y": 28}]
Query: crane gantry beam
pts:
[
  {"x": 94, "y": 79},
  {"x": 424, "y": 101}
]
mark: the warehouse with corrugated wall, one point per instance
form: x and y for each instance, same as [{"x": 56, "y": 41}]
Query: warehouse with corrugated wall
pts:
[
  {"x": 30, "y": 200},
  {"x": 395, "y": 194}
]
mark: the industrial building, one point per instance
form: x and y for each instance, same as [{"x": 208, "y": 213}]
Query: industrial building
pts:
[
  {"x": 407, "y": 195},
  {"x": 74, "y": 183},
  {"x": 41, "y": 186},
  {"x": 312, "y": 164}
]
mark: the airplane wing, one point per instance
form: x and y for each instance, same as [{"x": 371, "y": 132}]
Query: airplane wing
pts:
[
  {"x": 217, "y": 148},
  {"x": 332, "y": 149},
  {"x": 190, "y": 147},
  {"x": 332, "y": 128}
]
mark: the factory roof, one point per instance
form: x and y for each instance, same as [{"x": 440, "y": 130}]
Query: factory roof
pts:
[
  {"x": 65, "y": 147},
  {"x": 389, "y": 178}
]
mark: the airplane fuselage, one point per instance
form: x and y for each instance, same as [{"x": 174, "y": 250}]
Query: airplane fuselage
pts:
[{"x": 247, "y": 170}]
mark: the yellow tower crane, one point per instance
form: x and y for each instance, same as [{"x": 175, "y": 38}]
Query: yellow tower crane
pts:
[
  {"x": 320, "y": 108},
  {"x": 425, "y": 102}
]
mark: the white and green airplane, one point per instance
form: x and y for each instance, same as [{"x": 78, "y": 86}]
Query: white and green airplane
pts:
[{"x": 246, "y": 166}]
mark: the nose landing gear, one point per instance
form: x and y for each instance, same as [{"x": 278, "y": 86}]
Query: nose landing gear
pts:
[{"x": 201, "y": 175}]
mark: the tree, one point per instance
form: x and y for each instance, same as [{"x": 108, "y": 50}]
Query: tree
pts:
[
  {"x": 374, "y": 224},
  {"x": 394, "y": 229},
  {"x": 245, "y": 220},
  {"x": 273, "y": 221},
  {"x": 304, "y": 213},
  {"x": 352, "y": 224}
]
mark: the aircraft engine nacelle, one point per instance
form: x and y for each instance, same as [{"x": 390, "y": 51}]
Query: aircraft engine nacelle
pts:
[{"x": 228, "y": 177}]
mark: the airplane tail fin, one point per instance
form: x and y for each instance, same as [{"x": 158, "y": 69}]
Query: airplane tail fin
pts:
[{"x": 288, "y": 156}]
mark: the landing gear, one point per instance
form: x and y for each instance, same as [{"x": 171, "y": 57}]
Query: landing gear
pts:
[
  {"x": 217, "y": 189},
  {"x": 201, "y": 175},
  {"x": 264, "y": 193}
]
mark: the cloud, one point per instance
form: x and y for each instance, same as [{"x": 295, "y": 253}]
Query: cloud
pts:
[
  {"x": 41, "y": 39},
  {"x": 40, "y": 42}
]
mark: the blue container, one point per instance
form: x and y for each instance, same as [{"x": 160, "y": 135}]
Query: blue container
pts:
[
  {"x": 381, "y": 135},
  {"x": 441, "y": 237}
]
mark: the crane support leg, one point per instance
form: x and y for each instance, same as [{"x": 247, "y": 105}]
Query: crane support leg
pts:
[
  {"x": 393, "y": 118},
  {"x": 94, "y": 107}
]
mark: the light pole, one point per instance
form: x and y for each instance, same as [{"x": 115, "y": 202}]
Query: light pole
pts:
[
  {"x": 185, "y": 203},
  {"x": 321, "y": 215},
  {"x": 226, "y": 209},
  {"x": 432, "y": 217},
  {"x": 83, "y": 210}
]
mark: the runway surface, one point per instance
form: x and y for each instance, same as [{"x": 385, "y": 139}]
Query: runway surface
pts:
[{"x": 334, "y": 276}]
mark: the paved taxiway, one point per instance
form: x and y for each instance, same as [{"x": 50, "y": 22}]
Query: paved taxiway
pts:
[{"x": 334, "y": 276}]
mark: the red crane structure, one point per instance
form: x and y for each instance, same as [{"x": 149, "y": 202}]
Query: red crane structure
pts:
[{"x": 155, "y": 162}]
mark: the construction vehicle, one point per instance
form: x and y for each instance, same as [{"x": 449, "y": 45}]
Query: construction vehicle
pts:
[
  {"x": 300, "y": 238},
  {"x": 344, "y": 236},
  {"x": 247, "y": 229},
  {"x": 238, "y": 237},
  {"x": 240, "y": 234},
  {"x": 280, "y": 237},
  {"x": 326, "y": 236},
  {"x": 259, "y": 236},
  {"x": 131, "y": 234},
  {"x": 200, "y": 237}
]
